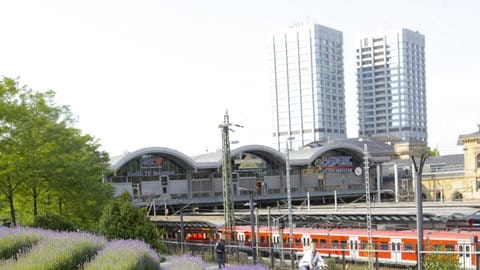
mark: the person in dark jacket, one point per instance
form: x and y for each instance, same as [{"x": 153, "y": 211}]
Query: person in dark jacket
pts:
[{"x": 220, "y": 249}]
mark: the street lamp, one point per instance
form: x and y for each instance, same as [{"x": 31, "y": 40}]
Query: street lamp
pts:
[
  {"x": 419, "y": 205},
  {"x": 252, "y": 223},
  {"x": 289, "y": 202}
]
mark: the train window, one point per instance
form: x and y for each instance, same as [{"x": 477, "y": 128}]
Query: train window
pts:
[
  {"x": 467, "y": 251},
  {"x": 408, "y": 247},
  {"x": 383, "y": 245},
  {"x": 335, "y": 244},
  {"x": 247, "y": 238},
  {"x": 460, "y": 249},
  {"x": 298, "y": 241},
  {"x": 263, "y": 239},
  {"x": 343, "y": 244},
  {"x": 315, "y": 241},
  {"x": 449, "y": 247},
  {"x": 323, "y": 243},
  {"x": 364, "y": 245}
]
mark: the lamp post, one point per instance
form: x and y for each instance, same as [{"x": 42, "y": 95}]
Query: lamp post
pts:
[
  {"x": 252, "y": 223},
  {"x": 289, "y": 202},
  {"x": 419, "y": 201}
]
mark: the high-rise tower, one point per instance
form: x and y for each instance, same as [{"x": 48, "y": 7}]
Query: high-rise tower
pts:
[
  {"x": 391, "y": 85},
  {"x": 306, "y": 67}
]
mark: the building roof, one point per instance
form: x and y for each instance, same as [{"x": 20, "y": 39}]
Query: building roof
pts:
[
  {"x": 473, "y": 136},
  {"x": 378, "y": 152},
  {"x": 181, "y": 158}
]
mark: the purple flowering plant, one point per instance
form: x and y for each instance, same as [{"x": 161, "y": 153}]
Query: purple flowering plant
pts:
[
  {"x": 187, "y": 262},
  {"x": 125, "y": 254}
]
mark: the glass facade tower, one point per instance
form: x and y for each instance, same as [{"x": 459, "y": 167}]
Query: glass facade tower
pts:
[
  {"x": 307, "y": 82},
  {"x": 391, "y": 85}
]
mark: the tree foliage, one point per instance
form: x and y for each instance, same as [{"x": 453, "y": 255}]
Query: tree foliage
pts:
[
  {"x": 433, "y": 152},
  {"x": 122, "y": 220},
  {"x": 441, "y": 259},
  {"x": 47, "y": 166}
]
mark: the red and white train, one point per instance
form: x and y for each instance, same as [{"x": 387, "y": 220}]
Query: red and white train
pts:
[{"x": 390, "y": 247}]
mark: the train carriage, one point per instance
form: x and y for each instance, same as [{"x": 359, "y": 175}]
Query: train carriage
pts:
[{"x": 388, "y": 247}]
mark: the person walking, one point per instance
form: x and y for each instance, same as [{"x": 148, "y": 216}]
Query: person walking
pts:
[
  {"x": 312, "y": 260},
  {"x": 220, "y": 249}
]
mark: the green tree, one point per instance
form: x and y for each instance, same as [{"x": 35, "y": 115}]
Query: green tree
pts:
[
  {"x": 122, "y": 220},
  {"x": 45, "y": 162},
  {"x": 441, "y": 259},
  {"x": 433, "y": 152}
]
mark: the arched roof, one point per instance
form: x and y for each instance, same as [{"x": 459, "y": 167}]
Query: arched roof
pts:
[
  {"x": 265, "y": 152},
  {"x": 214, "y": 160},
  {"x": 172, "y": 154},
  {"x": 378, "y": 151}
]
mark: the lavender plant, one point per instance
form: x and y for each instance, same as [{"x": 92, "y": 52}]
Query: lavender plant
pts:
[
  {"x": 187, "y": 262},
  {"x": 247, "y": 267},
  {"x": 58, "y": 250},
  {"x": 125, "y": 255},
  {"x": 16, "y": 240}
]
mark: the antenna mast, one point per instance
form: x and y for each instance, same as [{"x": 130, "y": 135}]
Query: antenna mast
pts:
[{"x": 228, "y": 207}]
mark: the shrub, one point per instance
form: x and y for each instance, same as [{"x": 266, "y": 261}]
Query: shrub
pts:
[
  {"x": 14, "y": 241},
  {"x": 187, "y": 262},
  {"x": 58, "y": 251},
  {"x": 125, "y": 255},
  {"x": 54, "y": 222}
]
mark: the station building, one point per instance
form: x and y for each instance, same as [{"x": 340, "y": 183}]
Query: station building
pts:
[{"x": 320, "y": 172}]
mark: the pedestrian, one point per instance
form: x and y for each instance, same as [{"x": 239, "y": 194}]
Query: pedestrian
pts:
[
  {"x": 312, "y": 260},
  {"x": 220, "y": 249}
]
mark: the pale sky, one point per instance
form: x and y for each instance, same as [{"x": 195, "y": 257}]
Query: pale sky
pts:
[{"x": 162, "y": 73}]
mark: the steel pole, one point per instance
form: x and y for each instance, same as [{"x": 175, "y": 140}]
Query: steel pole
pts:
[
  {"x": 289, "y": 202},
  {"x": 252, "y": 222}
]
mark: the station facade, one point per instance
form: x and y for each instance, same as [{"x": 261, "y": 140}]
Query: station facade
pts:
[{"x": 320, "y": 172}]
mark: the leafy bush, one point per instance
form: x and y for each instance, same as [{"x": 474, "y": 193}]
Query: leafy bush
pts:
[
  {"x": 54, "y": 222},
  {"x": 440, "y": 259},
  {"x": 121, "y": 220}
]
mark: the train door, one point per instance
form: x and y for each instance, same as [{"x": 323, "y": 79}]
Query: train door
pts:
[
  {"x": 396, "y": 249},
  {"x": 275, "y": 241},
  {"x": 305, "y": 241},
  {"x": 241, "y": 238},
  {"x": 465, "y": 255},
  {"x": 353, "y": 246}
]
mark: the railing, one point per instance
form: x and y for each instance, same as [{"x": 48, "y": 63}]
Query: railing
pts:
[{"x": 444, "y": 170}]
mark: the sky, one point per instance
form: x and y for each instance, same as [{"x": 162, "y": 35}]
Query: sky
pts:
[{"x": 161, "y": 73}]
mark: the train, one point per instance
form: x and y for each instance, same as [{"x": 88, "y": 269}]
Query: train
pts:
[{"x": 386, "y": 247}]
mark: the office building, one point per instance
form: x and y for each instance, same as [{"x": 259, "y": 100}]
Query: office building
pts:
[
  {"x": 307, "y": 82},
  {"x": 391, "y": 85}
]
